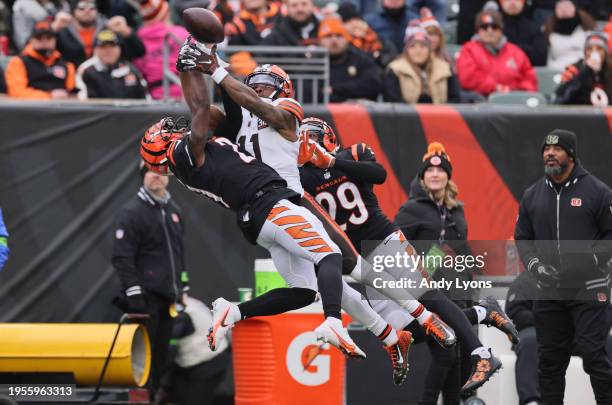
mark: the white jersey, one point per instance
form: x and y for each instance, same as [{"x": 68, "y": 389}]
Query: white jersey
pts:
[{"x": 268, "y": 146}]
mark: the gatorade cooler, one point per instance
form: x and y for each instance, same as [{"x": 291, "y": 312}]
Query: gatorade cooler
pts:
[{"x": 269, "y": 355}]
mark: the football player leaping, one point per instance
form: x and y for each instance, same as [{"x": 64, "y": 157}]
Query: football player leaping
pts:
[
  {"x": 269, "y": 124},
  {"x": 265, "y": 207},
  {"x": 342, "y": 181}
]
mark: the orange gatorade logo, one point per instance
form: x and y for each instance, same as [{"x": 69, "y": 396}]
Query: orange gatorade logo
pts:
[{"x": 318, "y": 372}]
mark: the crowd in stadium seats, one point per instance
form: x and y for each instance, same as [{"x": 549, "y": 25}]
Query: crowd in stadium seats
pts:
[{"x": 391, "y": 50}]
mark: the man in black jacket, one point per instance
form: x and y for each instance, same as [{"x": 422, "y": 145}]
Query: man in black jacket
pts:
[
  {"x": 522, "y": 31},
  {"x": 107, "y": 74},
  {"x": 148, "y": 257},
  {"x": 298, "y": 28},
  {"x": 563, "y": 235},
  {"x": 353, "y": 73}
]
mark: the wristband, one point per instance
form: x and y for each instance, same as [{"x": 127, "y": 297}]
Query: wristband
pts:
[{"x": 219, "y": 75}]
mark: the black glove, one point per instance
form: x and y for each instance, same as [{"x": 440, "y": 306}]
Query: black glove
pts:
[
  {"x": 136, "y": 304},
  {"x": 546, "y": 275},
  {"x": 197, "y": 56},
  {"x": 185, "y": 61}
]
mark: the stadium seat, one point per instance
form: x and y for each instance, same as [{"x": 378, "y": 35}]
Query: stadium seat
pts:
[
  {"x": 548, "y": 80},
  {"x": 527, "y": 98}
]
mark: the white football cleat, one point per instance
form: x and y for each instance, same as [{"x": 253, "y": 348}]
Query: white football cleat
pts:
[
  {"x": 225, "y": 314},
  {"x": 331, "y": 331}
]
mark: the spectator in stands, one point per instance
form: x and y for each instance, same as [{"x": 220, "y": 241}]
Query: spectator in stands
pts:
[
  {"x": 418, "y": 75},
  {"x": 75, "y": 40},
  {"x": 522, "y": 31},
  {"x": 589, "y": 82},
  {"x": 489, "y": 63},
  {"x": 422, "y": 8},
  {"x": 437, "y": 37},
  {"x": 390, "y": 21},
  {"x": 158, "y": 24},
  {"x": 353, "y": 73},
  {"x": 365, "y": 38},
  {"x": 298, "y": 28},
  {"x": 519, "y": 307},
  {"x": 4, "y": 249},
  {"x": 566, "y": 31},
  {"x": 108, "y": 74},
  {"x": 223, "y": 10},
  {"x": 40, "y": 72},
  {"x": 27, "y": 12},
  {"x": 542, "y": 10},
  {"x": 253, "y": 23},
  {"x": 468, "y": 9}
]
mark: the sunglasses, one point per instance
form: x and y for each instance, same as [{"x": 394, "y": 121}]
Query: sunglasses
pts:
[
  {"x": 491, "y": 26},
  {"x": 86, "y": 6}
]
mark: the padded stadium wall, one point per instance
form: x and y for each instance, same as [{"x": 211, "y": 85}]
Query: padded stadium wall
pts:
[{"x": 67, "y": 168}]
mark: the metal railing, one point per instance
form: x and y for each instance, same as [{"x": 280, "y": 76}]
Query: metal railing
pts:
[{"x": 308, "y": 68}]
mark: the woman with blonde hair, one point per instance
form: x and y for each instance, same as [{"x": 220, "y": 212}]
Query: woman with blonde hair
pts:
[
  {"x": 418, "y": 75},
  {"x": 434, "y": 221}
]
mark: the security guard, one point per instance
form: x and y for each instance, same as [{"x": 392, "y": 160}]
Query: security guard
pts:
[
  {"x": 148, "y": 257},
  {"x": 563, "y": 234}
]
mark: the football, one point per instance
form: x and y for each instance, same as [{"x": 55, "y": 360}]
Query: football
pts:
[{"x": 203, "y": 25}]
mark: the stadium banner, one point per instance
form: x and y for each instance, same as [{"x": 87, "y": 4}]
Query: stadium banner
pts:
[{"x": 68, "y": 168}]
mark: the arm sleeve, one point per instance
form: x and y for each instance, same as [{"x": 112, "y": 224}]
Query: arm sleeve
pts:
[
  {"x": 391, "y": 88},
  {"x": 293, "y": 107},
  {"x": 230, "y": 126},
  {"x": 363, "y": 165},
  {"x": 17, "y": 82},
  {"x": 572, "y": 85},
  {"x": 127, "y": 238},
  {"x": 132, "y": 47},
  {"x": 524, "y": 236}
]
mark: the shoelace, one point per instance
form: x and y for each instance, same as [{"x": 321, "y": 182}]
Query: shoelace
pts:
[
  {"x": 435, "y": 328},
  {"x": 394, "y": 353}
]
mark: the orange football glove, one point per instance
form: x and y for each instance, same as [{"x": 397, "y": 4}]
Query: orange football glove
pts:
[
  {"x": 307, "y": 148},
  {"x": 322, "y": 158}
]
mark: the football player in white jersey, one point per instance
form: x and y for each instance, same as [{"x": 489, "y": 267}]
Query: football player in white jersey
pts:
[{"x": 270, "y": 122}]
